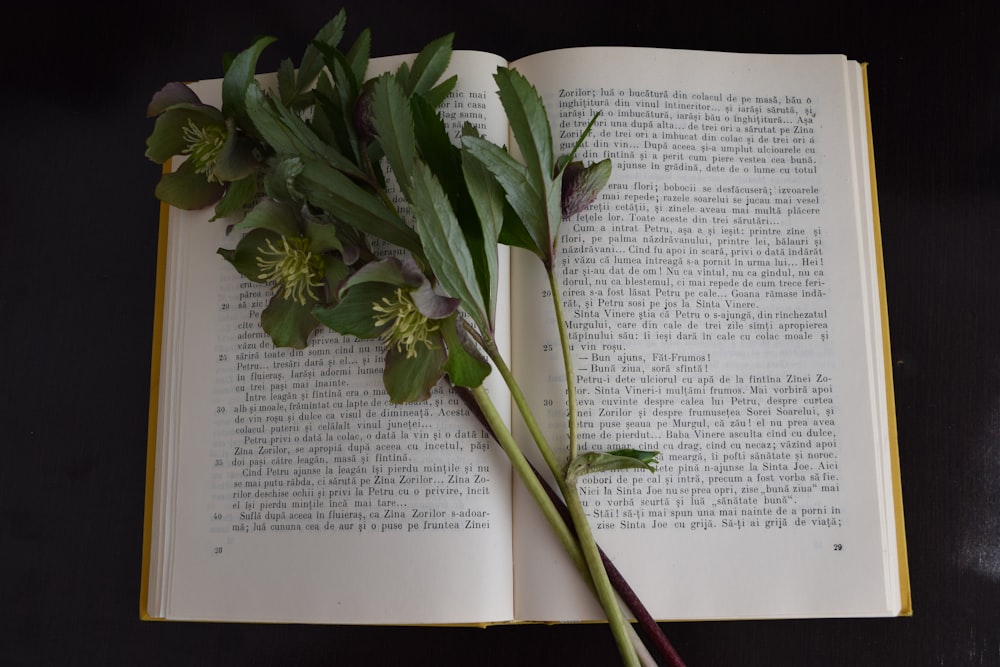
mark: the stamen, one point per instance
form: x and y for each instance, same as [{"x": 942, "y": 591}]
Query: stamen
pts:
[{"x": 293, "y": 268}]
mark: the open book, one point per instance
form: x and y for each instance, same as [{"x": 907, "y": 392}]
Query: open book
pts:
[{"x": 726, "y": 307}]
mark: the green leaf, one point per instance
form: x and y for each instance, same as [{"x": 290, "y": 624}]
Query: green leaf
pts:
[
  {"x": 359, "y": 54},
  {"x": 322, "y": 237},
  {"x": 514, "y": 233},
  {"x": 286, "y": 82},
  {"x": 619, "y": 459},
  {"x": 566, "y": 159},
  {"x": 525, "y": 201},
  {"x": 279, "y": 179},
  {"x": 393, "y": 122},
  {"x": 530, "y": 126},
  {"x": 528, "y": 122},
  {"x": 186, "y": 189},
  {"x": 353, "y": 315},
  {"x": 444, "y": 243},
  {"x": 288, "y": 134},
  {"x": 278, "y": 217},
  {"x": 238, "y": 195},
  {"x": 345, "y": 200},
  {"x": 288, "y": 322},
  {"x": 312, "y": 60},
  {"x": 239, "y": 77},
  {"x": 409, "y": 380},
  {"x": 436, "y": 95},
  {"x": 487, "y": 198},
  {"x": 465, "y": 366},
  {"x": 429, "y": 65}
]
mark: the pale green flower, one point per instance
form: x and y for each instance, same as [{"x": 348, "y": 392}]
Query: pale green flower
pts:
[
  {"x": 296, "y": 271},
  {"x": 407, "y": 326}
]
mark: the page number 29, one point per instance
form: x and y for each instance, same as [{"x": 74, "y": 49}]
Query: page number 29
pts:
[{"x": 838, "y": 547}]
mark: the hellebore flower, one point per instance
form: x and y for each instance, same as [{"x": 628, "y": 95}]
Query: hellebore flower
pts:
[
  {"x": 295, "y": 270},
  {"x": 581, "y": 185},
  {"x": 300, "y": 256},
  {"x": 217, "y": 154},
  {"x": 393, "y": 300}
]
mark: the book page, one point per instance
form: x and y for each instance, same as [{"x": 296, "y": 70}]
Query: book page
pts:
[
  {"x": 289, "y": 488},
  {"x": 721, "y": 305}
]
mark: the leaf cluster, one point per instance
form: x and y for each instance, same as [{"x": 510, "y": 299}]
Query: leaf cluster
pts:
[{"x": 307, "y": 167}]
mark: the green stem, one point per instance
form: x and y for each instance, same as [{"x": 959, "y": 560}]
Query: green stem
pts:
[
  {"x": 621, "y": 629},
  {"x": 623, "y": 633},
  {"x": 522, "y": 405},
  {"x": 567, "y": 360},
  {"x": 524, "y": 470}
]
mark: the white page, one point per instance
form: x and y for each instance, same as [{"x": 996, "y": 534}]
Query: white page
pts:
[
  {"x": 690, "y": 275},
  {"x": 416, "y": 549}
]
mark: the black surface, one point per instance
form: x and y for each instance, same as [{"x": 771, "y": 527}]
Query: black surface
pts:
[{"x": 77, "y": 245}]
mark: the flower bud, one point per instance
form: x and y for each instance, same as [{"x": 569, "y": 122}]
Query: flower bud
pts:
[{"x": 581, "y": 185}]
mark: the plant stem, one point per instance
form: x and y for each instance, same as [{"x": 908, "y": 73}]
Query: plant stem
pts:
[
  {"x": 522, "y": 405},
  {"x": 651, "y": 630},
  {"x": 602, "y": 585},
  {"x": 567, "y": 359},
  {"x": 528, "y": 475}
]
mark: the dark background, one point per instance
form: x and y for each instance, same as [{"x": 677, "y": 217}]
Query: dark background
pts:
[{"x": 77, "y": 250}]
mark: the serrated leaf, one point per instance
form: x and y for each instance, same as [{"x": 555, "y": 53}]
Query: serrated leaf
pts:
[
  {"x": 359, "y": 54},
  {"x": 345, "y": 200},
  {"x": 393, "y": 123},
  {"x": 526, "y": 201},
  {"x": 429, "y": 65},
  {"x": 514, "y": 233},
  {"x": 436, "y": 95},
  {"x": 487, "y": 199},
  {"x": 238, "y": 78},
  {"x": 528, "y": 122},
  {"x": 312, "y": 60},
  {"x": 444, "y": 243},
  {"x": 288, "y": 134},
  {"x": 619, "y": 459}
]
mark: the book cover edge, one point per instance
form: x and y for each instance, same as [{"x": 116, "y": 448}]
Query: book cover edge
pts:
[
  {"x": 906, "y": 602},
  {"x": 154, "y": 396}
]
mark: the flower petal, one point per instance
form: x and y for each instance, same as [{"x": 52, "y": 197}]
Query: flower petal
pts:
[
  {"x": 288, "y": 322},
  {"x": 431, "y": 304},
  {"x": 353, "y": 315},
  {"x": 167, "y": 139},
  {"x": 187, "y": 189},
  {"x": 171, "y": 94},
  {"x": 411, "y": 379}
]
